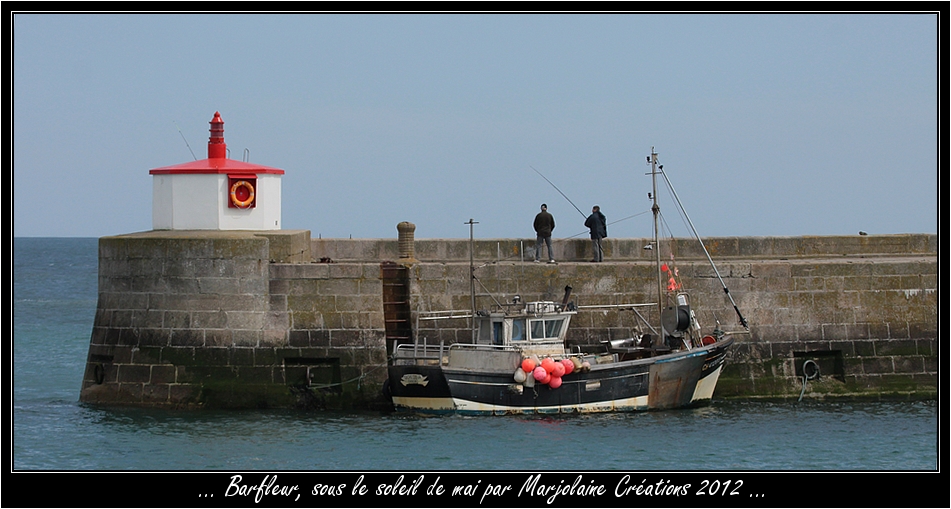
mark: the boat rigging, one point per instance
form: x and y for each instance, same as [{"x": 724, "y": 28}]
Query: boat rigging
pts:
[{"x": 517, "y": 360}]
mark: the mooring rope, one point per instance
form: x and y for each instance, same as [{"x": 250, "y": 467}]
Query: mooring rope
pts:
[
  {"x": 806, "y": 376},
  {"x": 357, "y": 379}
]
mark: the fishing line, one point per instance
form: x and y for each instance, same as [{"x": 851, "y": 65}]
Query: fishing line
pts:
[
  {"x": 612, "y": 222},
  {"x": 517, "y": 255},
  {"x": 559, "y": 190}
]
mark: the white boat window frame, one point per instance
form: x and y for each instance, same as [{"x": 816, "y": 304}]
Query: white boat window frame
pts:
[{"x": 546, "y": 327}]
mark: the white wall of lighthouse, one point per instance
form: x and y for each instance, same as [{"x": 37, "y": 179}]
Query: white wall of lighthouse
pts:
[{"x": 199, "y": 195}]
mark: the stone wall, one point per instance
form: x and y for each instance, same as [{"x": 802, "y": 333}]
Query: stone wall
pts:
[
  {"x": 869, "y": 325},
  {"x": 187, "y": 319},
  {"x": 276, "y": 319}
]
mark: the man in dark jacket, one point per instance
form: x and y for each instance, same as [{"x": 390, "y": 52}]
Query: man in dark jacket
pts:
[
  {"x": 544, "y": 224},
  {"x": 598, "y": 225}
]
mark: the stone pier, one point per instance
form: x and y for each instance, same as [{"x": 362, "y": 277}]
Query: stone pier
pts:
[{"x": 275, "y": 319}]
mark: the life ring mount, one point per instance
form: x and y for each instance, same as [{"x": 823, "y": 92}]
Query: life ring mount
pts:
[{"x": 244, "y": 188}]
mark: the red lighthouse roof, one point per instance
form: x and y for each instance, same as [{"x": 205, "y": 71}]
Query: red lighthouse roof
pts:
[{"x": 217, "y": 161}]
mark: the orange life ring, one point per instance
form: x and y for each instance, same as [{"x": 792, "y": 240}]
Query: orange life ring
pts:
[{"x": 242, "y": 204}]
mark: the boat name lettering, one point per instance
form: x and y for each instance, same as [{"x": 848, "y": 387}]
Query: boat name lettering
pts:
[{"x": 414, "y": 379}]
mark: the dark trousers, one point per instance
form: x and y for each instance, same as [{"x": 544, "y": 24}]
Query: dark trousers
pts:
[
  {"x": 598, "y": 252},
  {"x": 538, "y": 247}
]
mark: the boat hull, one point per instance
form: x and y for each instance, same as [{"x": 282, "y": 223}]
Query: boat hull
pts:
[{"x": 668, "y": 381}]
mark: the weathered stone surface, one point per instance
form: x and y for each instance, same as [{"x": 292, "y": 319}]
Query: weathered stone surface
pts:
[{"x": 192, "y": 319}]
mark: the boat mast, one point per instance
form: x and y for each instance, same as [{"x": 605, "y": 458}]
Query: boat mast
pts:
[
  {"x": 656, "y": 210},
  {"x": 472, "y": 281}
]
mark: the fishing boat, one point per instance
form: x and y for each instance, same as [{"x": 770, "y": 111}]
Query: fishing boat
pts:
[{"x": 518, "y": 362}]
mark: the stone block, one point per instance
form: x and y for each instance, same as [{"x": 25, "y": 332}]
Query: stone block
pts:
[
  {"x": 370, "y": 287},
  {"x": 162, "y": 375},
  {"x": 265, "y": 356},
  {"x": 899, "y": 347},
  {"x": 277, "y": 303},
  {"x": 242, "y": 356},
  {"x": 183, "y": 395},
  {"x": 181, "y": 286},
  {"x": 121, "y": 354},
  {"x": 250, "y": 374},
  {"x": 256, "y": 286},
  {"x": 878, "y": 365},
  {"x": 218, "y": 338},
  {"x": 835, "y": 332},
  {"x": 145, "y": 355},
  {"x": 127, "y": 337},
  {"x": 185, "y": 374},
  {"x": 306, "y": 320},
  {"x": 209, "y": 319},
  {"x": 211, "y": 356},
  {"x": 156, "y": 337},
  {"x": 184, "y": 268},
  {"x": 274, "y": 337},
  {"x": 246, "y": 338},
  {"x": 245, "y": 320},
  {"x": 155, "y": 393},
  {"x": 288, "y": 246},
  {"x": 186, "y": 337},
  {"x": 338, "y": 287},
  {"x": 129, "y": 392},
  {"x": 299, "y": 338},
  {"x": 927, "y": 347},
  {"x": 245, "y": 302},
  {"x": 135, "y": 374},
  {"x": 346, "y": 338}
]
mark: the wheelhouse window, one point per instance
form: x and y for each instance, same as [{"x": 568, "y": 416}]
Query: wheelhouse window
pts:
[
  {"x": 518, "y": 330},
  {"x": 497, "y": 333},
  {"x": 546, "y": 329}
]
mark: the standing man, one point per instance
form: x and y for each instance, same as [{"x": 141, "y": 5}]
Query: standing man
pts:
[
  {"x": 544, "y": 224},
  {"x": 598, "y": 225}
]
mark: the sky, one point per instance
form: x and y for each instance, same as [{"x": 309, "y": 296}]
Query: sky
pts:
[{"x": 767, "y": 124}]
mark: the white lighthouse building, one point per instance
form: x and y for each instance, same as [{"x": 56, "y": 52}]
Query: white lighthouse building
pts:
[{"x": 216, "y": 193}]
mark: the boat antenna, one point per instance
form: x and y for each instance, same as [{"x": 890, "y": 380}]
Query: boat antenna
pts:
[
  {"x": 186, "y": 141},
  {"x": 472, "y": 279},
  {"x": 652, "y": 159},
  {"x": 559, "y": 190},
  {"x": 717, "y": 272}
]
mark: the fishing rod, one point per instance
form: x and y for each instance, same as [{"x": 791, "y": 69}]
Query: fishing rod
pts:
[
  {"x": 717, "y": 272},
  {"x": 559, "y": 190}
]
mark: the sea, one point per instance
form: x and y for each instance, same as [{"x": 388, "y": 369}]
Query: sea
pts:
[{"x": 54, "y": 302}]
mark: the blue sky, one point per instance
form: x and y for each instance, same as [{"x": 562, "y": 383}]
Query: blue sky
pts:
[{"x": 767, "y": 124}]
